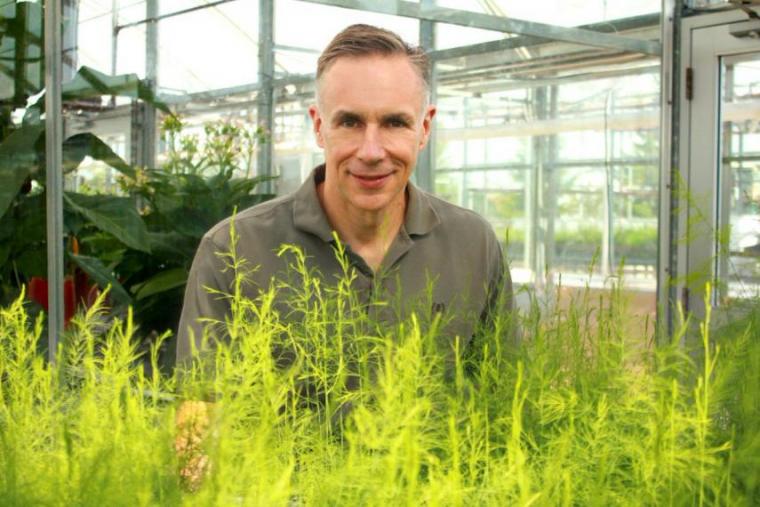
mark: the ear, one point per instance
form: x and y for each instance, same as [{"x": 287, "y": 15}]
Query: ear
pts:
[
  {"x": 316, "y": 120},
  {"x": 427, "y": 124}
]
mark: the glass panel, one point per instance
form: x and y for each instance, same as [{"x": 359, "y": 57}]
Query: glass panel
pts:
[
  {"x": 22, "y": 71},
  {"x": 739, "y": 250},
  {"x": 95, "y": 33},
  {"x": 172, "y": 6},
  {"x": 130, "y": 45},
  {"x": 451, "y": 36},
  {"x": 127, "y": 11},
  {"x": 296, "y": 54},
  {"x": 209, "y": 49},
  {"x": 558, "y": 147}
]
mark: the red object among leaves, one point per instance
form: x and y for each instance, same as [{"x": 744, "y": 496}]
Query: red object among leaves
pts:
[{"x": 76, "y": 290}]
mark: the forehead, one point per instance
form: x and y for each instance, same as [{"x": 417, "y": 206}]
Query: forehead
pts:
[{"x": 371, "y": 82}]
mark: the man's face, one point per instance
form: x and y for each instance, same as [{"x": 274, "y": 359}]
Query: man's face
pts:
[{"x": 372, "y": 122}]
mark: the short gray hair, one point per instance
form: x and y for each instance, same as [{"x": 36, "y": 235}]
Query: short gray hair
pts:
[{"x": 365, "y": 40}]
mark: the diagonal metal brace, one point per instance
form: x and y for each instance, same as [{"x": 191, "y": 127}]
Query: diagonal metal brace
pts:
[{"x": 499, "y": 24}]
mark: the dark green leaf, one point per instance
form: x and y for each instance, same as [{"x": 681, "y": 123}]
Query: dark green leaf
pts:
[
  {"x": 88, "y": 83},
  {"x": 114, "y": 215},
  {"x": 18, "y": 159},
  {"x": 79, "y": 146},
  {"x": 5, "y": 251},
  {"x": 170, "y": 242},
  {"x": 33, "y": 262},
  {"x": 30, "y": 222},
  {"x": 163, "y": 281},
  {"x": 102, "y": 276}
]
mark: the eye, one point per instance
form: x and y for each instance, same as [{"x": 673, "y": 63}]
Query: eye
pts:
[
  {"x": 349, "y": 123},
  {"x": 397, "y": 123}
]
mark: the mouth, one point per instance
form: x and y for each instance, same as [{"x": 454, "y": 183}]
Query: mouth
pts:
[{"x": 371, "y": 181}]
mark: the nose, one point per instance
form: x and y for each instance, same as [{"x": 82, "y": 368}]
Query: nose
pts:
[{"x": 371, "y": 150}]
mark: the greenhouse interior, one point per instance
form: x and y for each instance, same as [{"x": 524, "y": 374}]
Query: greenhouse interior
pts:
[{"x": 204, "y": 242}]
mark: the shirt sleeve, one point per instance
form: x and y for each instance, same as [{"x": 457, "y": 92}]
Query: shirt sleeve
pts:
[{"x": 205, "y": 302}]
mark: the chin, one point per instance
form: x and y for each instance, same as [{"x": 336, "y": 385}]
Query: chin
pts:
[{"x": 371, "y": 205}]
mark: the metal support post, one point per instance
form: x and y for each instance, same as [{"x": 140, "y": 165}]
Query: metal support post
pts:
[
  {"x": 149, "y": 134},
  {"x": 667, "y": 253},
  {"x": 425, "y": 163},
  {"x": 265, "y": 98},
  {"x": 534, "y": 232},
  {"x": 551, "y": 182},
  {"x": 608, "y": 243},
  {"x": 114, "y": 36},
  {"x": 53, "y": 166}
]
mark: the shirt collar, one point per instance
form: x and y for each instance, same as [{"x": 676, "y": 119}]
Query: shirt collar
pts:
[{"x": 308, "y": 215}]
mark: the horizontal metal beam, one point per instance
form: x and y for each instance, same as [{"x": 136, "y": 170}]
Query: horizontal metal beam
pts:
[
  {"x": 568, "y": 164},
  {"x": 503, "y": 85},
  {"x": 296, "y": 49},
  {"x": 527, "y": 41},
  {"x": 629, "y": 121},
  {"x": 218, "y": 93},
  {"x": 499, "y": 24},
  {"x": 188, "y": 10}
]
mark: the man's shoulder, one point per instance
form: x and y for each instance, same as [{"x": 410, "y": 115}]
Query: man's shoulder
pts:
[
  {"x": 268, "y": 216},
  {"x": 456, "y": 219}
]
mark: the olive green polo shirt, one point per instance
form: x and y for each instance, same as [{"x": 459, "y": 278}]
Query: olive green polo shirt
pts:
[{"x": 440, "y": 247}]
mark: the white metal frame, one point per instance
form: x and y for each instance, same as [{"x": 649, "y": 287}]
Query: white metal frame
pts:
[{"x": 705, "y": 40}]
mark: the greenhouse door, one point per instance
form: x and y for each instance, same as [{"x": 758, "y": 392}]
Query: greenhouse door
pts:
[{"x": 719, "y": 190}]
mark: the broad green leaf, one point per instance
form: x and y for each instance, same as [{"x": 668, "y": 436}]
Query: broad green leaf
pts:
[
  {"x": 5, "y": 250},
  {"x": 114, "y": 215},
  {"x": 88, "y": 83},
  {"x": 172, "y": 242},
  {"x": 163, "y": 281},
  {"x": 18, "y": 159},
  {"x": 102, "y": 276},
  {"x": 79, "y": 146}
]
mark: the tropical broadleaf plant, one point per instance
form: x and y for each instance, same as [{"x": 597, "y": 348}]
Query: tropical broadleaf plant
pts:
[
  {"x": 115, "y": 215},
  {"x": 140, "y": 243},
  {"x": 22, "y": 159},
  {"x": 102, "y": 275}
]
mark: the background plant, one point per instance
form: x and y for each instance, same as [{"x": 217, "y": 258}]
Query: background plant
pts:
[
  {"x": 141, "y": 242},
  {"x": 22, "y": 160},
  {"x": 198, "y": 186}
]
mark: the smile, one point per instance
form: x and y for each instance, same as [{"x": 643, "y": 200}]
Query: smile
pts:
[{"x": 371, "y": 181}]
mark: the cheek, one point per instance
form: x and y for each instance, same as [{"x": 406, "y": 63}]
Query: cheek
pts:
[
  {"x": 341, "y": 141},
  {"x": 338, "y": 152},
  {"x": 403, "y": 145}
]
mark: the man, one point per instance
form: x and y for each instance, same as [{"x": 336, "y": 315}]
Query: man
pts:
[{"x": 372, "y": 118}]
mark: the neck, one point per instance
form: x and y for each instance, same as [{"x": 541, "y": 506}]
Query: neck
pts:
[{"x": 368, "y": 233}]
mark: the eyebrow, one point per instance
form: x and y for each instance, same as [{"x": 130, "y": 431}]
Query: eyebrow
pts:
[
  {"x": 343, "y": 115},
  {"x": 399, "y": 117}
]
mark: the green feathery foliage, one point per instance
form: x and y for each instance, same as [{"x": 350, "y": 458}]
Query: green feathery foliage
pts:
[{"x": 330, "y": 408}]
